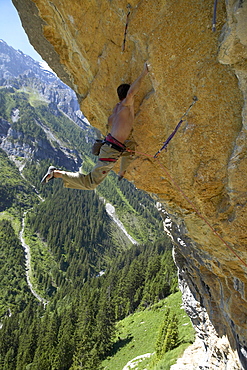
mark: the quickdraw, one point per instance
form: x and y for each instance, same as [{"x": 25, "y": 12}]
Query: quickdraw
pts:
[{"x": 176, "y": 128}]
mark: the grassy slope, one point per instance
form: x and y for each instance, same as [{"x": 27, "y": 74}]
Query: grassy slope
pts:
[
  {"x": 141, "y": 228},
  {"x": 138, "y": 333},
  {"x": 16, "y": 194}
]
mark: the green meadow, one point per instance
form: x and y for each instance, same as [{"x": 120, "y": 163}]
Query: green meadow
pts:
[{"x": 136, "y": 336}]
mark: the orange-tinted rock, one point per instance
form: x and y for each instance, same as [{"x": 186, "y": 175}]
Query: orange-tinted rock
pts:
[{"x": 82, "y": 42}]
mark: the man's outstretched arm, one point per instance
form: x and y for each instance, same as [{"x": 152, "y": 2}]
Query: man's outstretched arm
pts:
[{"x": 135, "y": 86}]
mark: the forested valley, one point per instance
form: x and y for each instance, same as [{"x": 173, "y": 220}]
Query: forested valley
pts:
[
  {"x": 76, "y": 328},
  {"x": 88, "y": 273},
  {"x": 90, "y": 276}
]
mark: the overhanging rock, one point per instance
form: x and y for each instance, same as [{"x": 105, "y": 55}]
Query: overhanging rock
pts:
[{"x": 83, "y": 43}]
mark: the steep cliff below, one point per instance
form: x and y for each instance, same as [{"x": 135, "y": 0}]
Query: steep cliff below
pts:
[{"x": 201, "y": 179}]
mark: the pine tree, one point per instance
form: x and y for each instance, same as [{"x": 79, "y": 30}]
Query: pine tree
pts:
[
  {"x": 162, "y": 335},
  {"x": 168, "y": 335},
  {"x": 174, "y": 335},
  {"x": 105, "y": 328},
  {"x": 65, "y": 347}
]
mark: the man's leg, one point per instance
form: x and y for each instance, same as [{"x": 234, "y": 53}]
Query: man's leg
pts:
[
  {"x": 76, "y": 180},
  {"x": 127, "y": 157}
]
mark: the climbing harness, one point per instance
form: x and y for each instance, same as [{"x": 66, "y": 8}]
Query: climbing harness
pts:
[
  {"x": 126, "y": 27},
  {"x": 110, "y": 141},
  {"x": 214, "y": 16},
  {"x": 176, "y": 128},
  {"x": 114, "y": 143}
]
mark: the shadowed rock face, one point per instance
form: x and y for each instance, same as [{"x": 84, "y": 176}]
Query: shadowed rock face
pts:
[{"x": 83, "y": 42}]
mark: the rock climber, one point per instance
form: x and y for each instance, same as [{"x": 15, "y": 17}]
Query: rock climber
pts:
[{"x": 120, "y": 124}]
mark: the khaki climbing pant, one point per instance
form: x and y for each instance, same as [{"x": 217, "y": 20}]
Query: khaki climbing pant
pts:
[
  {"x": 127, "y": 157},
  {"x": 107, "y": 160}
]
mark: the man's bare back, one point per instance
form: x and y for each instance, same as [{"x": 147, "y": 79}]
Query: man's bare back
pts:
[{"x": 121, "y": 120}]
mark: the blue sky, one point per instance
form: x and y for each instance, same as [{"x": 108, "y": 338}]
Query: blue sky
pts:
[{"x": 11, "y": 30}]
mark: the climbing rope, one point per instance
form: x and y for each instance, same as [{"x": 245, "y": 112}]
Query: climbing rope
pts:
[
  {"x": 214, "y": 16},
  {"x": 176, "y": 128}
]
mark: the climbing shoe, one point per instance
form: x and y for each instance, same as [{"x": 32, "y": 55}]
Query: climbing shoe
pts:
[{"x": 49, "y": 175}]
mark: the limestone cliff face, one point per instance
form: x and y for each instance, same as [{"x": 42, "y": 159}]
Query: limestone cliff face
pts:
[{"x": 83, "y": 41}]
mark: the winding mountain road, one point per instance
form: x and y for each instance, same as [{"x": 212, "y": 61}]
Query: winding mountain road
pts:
[{"x": 28, "y": 261}]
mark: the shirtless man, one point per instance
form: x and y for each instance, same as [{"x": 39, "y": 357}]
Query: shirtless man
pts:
[{"x": 120, "y": 124}]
